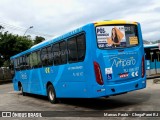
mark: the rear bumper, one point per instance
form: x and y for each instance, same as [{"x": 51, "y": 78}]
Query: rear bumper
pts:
[{"x": 109, "y": 90}]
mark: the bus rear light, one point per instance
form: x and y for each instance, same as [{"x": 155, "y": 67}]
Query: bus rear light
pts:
[
  {"x": 98, "y": 73},
  {"x": 143, "y": 67}
]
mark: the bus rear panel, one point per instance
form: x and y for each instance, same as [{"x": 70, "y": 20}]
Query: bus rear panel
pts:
[{"x": 118, "y": 64}]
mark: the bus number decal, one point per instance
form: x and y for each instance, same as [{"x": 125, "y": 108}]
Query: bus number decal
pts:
[
  {"x": 78, "y": 74},
  {"x": 132, "y": 71}
]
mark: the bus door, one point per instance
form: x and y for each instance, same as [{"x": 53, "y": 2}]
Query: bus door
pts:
[
  {"x": 34, "y": 85},
  {"x": 153, "y": 63},
  {"x": 34, "y": 81},
  {"x": 147, "y": 61},
  {"x": 158, "y": 62},
  {"x": 147, "y": 64}
]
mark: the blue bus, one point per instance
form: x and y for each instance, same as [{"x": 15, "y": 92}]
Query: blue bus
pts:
[
  {"x": 152, "y": 59},
  {"x": 99, "y": 59}
]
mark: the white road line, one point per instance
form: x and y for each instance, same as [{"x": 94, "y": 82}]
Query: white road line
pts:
[{"x": 11, "y": 92}]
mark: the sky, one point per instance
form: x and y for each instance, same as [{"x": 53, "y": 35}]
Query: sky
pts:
[{"x": 50, "y": 18}]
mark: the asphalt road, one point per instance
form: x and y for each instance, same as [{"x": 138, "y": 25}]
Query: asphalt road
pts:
[{"x": 147, "y": 99}]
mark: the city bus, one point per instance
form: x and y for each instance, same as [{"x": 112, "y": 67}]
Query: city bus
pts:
[
  {"x": 99, "y": 59},
  {"x": 152, "y": 59}
]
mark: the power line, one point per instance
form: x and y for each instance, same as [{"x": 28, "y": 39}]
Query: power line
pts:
[{"x": 23, "y": 29}]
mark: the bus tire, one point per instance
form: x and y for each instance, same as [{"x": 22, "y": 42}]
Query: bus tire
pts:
[
  {"x": 21, "y": 89},
  {"x": 51, "y": 94}
]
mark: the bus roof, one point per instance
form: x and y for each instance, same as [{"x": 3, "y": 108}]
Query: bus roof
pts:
[
  {"x": 114, "y": 22},
  {"x": 48, "y": 42},
  {"x": 151, "y": 45},
  {"x": 55, "y": 39}
]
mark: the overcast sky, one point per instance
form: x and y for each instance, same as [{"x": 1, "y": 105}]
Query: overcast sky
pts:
[{"x": 55, "y": 17}]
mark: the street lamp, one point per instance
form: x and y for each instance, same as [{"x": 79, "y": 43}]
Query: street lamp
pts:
[
  {"x": 1, "y": 56},
  {"x": 27, "y": 30}
]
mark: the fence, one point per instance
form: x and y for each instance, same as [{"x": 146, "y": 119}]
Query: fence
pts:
[{"x": 5, "y": 74}]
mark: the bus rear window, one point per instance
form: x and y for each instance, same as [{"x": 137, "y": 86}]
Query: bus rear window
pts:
[{"x": 117, "y": 36}]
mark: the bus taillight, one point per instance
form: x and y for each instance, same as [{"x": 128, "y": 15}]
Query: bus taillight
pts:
[
  {"x": 98, "y": 73},
  {"x": 143, "y": 67}
]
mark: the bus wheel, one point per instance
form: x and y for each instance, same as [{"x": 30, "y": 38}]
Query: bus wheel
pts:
[
  {"x": 51, "y": 94},
  {"x": 21, "y": 89}
]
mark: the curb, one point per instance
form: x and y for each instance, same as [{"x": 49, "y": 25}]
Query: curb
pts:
[{"x": 152, "y": 77}]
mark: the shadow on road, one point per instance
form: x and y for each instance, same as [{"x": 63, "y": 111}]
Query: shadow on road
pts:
[{"x": 113, "y": 102}]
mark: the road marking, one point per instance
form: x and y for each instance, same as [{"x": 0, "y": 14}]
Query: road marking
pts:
[{"x": 11, "y": 92}]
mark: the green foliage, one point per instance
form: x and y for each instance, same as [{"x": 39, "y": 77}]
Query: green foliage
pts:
[
  {"x": 6, "y": 63},
  {"x": 38, "y": 39},
  {"x": 1, "y": 62},
  {"x": 12, "y": 44}
]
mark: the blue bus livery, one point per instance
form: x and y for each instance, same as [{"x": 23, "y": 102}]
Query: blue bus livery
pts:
[
  {"x": 152, "y": 59},
  {"x": 97, "y": 60}
]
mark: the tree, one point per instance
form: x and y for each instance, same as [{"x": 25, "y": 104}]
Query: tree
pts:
[
  {"x": 12, "y": 44},
  {"x": 38, "y": 39},
  {"x": 1, "y": 27}
]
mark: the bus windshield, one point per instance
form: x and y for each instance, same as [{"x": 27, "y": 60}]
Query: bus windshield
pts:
[{"x": 117, "y": 36}]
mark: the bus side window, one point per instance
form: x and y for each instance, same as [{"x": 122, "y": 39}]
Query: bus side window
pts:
[
  {"x": 18, "y": 64},
  {"x": 23, "y": 63},
  {"x": 154, "y": 56},
  {"x": 158, "y": 55},
  {"x": 63, "y": 52},
  {"x": 81, "y": 44},
  {"x": 39, "y": 64},
  {"x": 50, "y": 55},
  {"x": 15, "y": 64},
  {"x": 56, "y": 54},
  {"x": 27, "y": 62},
  {"x": 147, "y": 55},
  {"x": 44, "y": 56},
  {"x": 31, "y": 60},
  {"x": 72, "y": 50},
  {"x": 35, "y": 59}
]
